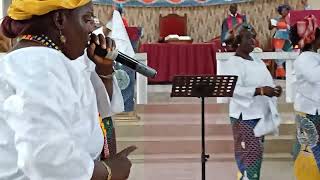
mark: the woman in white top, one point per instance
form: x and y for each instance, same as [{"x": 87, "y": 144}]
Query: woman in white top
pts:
[
  {"x": 307, "y": 98},
  {"x": 252, "y": 108},
  {"x": 49, "y": 113}
]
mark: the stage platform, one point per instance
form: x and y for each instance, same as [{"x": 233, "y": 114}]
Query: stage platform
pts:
[{"x": 168, "y": 137}]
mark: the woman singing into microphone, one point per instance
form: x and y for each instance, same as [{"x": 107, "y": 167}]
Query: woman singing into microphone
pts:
[
  {"x": 49, "y": 118},
  {"x": 252, "y": 108}
]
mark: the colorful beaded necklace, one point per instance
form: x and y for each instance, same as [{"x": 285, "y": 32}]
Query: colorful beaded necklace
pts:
[{"x": 42, "y": 39}]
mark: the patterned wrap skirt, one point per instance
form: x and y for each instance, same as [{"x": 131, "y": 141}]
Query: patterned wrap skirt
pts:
[
  {"x": 308, "y": 142},
  {"x": 248, "y": 148}
]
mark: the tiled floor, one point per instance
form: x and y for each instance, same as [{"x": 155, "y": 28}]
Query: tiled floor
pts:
[{"x": 271, "y": 170}]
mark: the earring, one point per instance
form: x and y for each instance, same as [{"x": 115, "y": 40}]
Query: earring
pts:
[{"x": 62, "y": 38}]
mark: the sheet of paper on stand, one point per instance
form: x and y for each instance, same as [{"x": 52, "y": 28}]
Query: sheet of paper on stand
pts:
[{"x": 273, "y": 22}]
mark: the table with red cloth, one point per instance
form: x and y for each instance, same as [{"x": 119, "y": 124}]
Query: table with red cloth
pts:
[{"x": 180, "y": 59}]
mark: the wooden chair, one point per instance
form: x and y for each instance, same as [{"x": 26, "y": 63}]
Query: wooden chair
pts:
[{"x": 172, "y": 24}]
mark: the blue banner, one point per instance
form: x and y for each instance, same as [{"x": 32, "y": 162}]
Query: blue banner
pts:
[{"x": 167, "y": 3}]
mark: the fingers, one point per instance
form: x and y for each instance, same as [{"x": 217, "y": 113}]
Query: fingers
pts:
[
  {"x": 110, "y": 43},
  {"x": 102, "y": 41},
  {"x": 114, "y": 44},
  {"x": 127, "y": 151},
  {"x": 128, "y": 174},
  {"x": 94, "y": 39},
  {"x": 277, "y": 91},
  {"x": 90, "y": 50},
  {"x": 270, "y": 91},
  {"x": 279, "y": 87},
  {"x": 277, "y": 94}
]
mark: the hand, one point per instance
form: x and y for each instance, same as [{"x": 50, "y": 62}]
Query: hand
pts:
[
  {"x": 120, "y": 164},
  {"x": 270, "y": 25},
  {"x": 265, "y": 91},
  {"x": 278, "y": 91},
  {"x": 268, "y": 91},
  {"x": 104, "y": 66}
]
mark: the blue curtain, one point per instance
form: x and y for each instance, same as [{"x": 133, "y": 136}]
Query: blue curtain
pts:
[{"x": 168, "y": 3}]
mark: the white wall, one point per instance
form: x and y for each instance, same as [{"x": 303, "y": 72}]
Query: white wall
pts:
[
  {"x": 1, "y": 9},
  {"x": 4, "y": 4},
  {"x": 315, "y": 4}
]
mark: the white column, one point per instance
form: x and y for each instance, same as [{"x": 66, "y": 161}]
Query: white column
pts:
[
  {"x": 222, "y": 57},
  {"x": 290, "y": 79},
  {"x": 4, "y": 4},
  {"x": 142, "y": 81},
  {"x": 1, "y": 9}
]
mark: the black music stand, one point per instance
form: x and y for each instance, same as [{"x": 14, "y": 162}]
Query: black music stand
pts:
[{"x": 203, "y": 86}]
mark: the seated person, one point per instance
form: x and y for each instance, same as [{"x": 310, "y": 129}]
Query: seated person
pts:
[{"x": 231, "y": 24}]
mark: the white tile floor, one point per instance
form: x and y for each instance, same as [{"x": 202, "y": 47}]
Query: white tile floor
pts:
[{"x": 271, "y": 170}]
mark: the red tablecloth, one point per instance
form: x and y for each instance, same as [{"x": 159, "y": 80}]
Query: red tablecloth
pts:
[{"x": 180, "y": 59}]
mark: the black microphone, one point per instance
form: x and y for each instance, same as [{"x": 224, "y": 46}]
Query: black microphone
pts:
[{"x": 127, "y": 61}]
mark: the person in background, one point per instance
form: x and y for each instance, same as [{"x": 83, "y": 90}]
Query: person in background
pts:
[
  {"x": 50, "y": 126},
  {"x": 120, "y": 9},
  {"x": 231, "y": 24},
  {"x": 281, "y": 41},
  {"x": 253, "y": 108},
  {"x": 124, "y": 74},
  {"x": 307, "y": 98}
]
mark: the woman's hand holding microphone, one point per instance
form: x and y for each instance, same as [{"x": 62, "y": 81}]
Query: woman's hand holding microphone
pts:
[{"x": 104, "y": 66}]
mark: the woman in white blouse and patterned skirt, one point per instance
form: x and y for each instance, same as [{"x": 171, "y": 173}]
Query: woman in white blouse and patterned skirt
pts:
[
  {"x": 252, "y": 108},
  {"x": 307, "y": 97}
]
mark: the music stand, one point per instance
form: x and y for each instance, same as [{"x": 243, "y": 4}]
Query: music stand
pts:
[{"x": 203, "y": 86}]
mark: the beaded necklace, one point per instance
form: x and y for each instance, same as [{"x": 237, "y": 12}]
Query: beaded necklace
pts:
[{"x": 42, "y": 39}]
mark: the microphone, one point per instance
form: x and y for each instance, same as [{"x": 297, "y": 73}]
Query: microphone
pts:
[{"x": 127, "y": 61}]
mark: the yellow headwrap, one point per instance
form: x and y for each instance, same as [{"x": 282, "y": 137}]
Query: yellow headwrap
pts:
[{"x": 25, "y": 9}]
